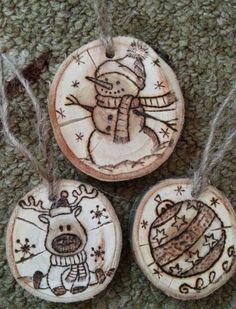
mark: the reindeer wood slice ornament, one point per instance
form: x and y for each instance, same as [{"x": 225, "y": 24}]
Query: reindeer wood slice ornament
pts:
[
  {"x": 66, "y": 251},
  {"x": 185, "y": 247},
  {"x": 116, "y": 118}
]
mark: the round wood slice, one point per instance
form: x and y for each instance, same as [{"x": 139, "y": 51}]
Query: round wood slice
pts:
[
  {"x": 116, "y": 118},
  {"x": 185, "y": 247},
  {"x": 66, "y": 251}
]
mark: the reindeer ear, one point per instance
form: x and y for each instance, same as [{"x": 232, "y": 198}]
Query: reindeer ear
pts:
[
  {"x": 44, "y": 218},
  {"x": 77, "y": 211},
  {"x": 158, "y": 198}
]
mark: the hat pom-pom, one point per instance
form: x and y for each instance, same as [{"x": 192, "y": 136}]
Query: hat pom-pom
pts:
[{"x": 137, "y": 50}]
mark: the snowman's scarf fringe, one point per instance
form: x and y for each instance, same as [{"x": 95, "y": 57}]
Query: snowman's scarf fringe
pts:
[
  {"x": 210, "y": 158},
  {"x": 104, "y": 26},
  {"x": 42, "y": 128}
]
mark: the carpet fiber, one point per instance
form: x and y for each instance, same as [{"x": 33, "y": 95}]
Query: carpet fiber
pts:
[{"x": 197, "y": 38}]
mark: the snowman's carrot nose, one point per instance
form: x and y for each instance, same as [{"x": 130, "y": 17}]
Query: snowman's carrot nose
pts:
[{"x": 99, "y": 82}]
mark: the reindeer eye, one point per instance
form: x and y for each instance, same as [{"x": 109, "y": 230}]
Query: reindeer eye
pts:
[
  {"x": 68, "y": 227},
  {"x": 61, "y": 228}
]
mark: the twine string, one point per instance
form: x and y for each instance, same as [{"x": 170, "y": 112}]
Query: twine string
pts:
[
  {"x": 104, "y": 26},
  {"x": 210, "y": 158},
  {"x": 42, "y": 128}
]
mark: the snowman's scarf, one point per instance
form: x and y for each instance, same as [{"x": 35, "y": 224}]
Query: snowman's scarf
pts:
[
  {"x": 123, "y": 104},
  {"x": 122, "y": 124}
]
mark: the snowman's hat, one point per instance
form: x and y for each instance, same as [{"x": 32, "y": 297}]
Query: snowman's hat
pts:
[
  {"x": 131, "y": 65},
  {"x": 61, "y": 206}
]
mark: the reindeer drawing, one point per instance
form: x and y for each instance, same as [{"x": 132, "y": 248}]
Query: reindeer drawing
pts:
[{"x": 65, "y": 240}]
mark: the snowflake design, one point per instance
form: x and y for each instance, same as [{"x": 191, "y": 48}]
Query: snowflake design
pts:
[
  {"x": 61, "y": 113},
  {"x": 158, "y": 273},
  {"x": 78, "y": 60},
  {"x": 75, "y": 84},
  {"x": 24, "y": 248},
  {"x": 79, "y": 137},
  {"x": 98, "y": 214},
  {"x": 137, "y": 49},
  {"x": 156, "y": 62},
  {"x": 214, "y": 202},
  {"x": 165, "y": 133},
  {"x": 179, "y": 190},
  {"x": 98, "y": 253},
  {"x": 144, "y": 224},
  {"x": 159, "y": 85}
]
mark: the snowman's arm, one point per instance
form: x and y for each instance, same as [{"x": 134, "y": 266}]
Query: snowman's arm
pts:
[
  {"x": 72, "y": 100},
  {"x": 169, "y": 123},
  {"x": 159, "y": 101}
]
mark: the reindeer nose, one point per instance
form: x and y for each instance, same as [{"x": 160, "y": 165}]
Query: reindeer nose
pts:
[
  {"x": 100, "y": 82},
  {"x": 66, "y": 243}
]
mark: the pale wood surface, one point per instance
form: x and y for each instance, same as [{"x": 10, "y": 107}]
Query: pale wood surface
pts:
[
  {"x": 184, "y": 247},
  {"x": 66, "y": 252},
  {"x": 120, "y": 118}
]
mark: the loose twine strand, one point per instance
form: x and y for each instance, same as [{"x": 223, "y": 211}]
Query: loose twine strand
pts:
[
  {"x": 209, "y": 157},
  {"x": 104, "y": 26},
  {"x": 42, "y": 128}
]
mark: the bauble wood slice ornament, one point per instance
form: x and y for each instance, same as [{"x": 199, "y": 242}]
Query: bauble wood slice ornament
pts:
[
  {"x": 116, "y": 118},
  {"x": 67, "y": 251},
  {"x": 185, "y": 247}
]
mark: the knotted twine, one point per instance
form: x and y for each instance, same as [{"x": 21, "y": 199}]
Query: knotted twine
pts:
[
  {"x": 104, "y": 26},
  {"x": 42, "y": 127},
  {"x": 210, "y": 156}
]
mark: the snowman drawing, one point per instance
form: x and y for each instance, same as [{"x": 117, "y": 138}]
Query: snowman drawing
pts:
[{"x": 119, "y": 116}]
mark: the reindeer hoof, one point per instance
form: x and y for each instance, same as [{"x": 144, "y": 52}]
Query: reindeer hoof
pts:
[
  {"x": 78, "y": 289},
  {"x": 37, "y": 278},
  {"x": 100, "y": 275},
  {"x": 58, "y": 291}
]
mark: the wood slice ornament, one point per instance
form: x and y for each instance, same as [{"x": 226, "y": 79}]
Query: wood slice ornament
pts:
[
  {"x": 116, "y": 118},
  {"x": 185, "y": 247},
  {"x": 66, "y": 251}
]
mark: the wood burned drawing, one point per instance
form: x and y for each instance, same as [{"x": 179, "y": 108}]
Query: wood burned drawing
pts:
[
  {"x": 133, "y": 111},
  {"x": 190, "y": 242},
  {"x": 55, "y": 259}
]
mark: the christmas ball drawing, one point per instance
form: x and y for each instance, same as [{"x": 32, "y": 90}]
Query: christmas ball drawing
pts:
[
  {"x": 116, "y": 118},
  {"x": 184, "y": 246},
  {"x": 186, "y": 238}
]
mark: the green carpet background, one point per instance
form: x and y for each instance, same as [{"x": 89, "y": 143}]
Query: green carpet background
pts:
[{"x": 197, "y": 38}]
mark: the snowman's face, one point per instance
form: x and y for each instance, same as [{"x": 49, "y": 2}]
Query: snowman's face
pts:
[{"x": 120, "y": 85}]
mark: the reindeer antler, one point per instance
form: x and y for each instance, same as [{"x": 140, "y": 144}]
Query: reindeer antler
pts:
[
  {"x": 31, "y": 204},
  {"x": 83, "y": 193}
]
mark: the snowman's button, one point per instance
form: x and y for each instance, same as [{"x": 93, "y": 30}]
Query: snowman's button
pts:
[
  {"x": 185, "y": 247},
  {"x": 138, "y": 142},
  {"x": 108, "y": 128},
  {"x": 110, "y": 117},
  {"x": 66, "y": 251}
]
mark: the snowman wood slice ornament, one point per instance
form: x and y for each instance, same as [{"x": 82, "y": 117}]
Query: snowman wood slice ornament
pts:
[
  {"x": 185, "y": 247},
  {"x": 116, "y": 118},
  {"x": 66, "y": 251}
]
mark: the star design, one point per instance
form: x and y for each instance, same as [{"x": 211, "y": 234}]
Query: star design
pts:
[
  {"x": 78, "y": 60},
  {"x": 144, "y": 224},
  {"x": 61, "y": 113},
  {"x": 214, "y": 201},
  {"x": 157, "y": 272},
  {"x": 75, "y": 84},
  {"x": 156, "y": 62},
  {"x": 179, "y": 190},
  {"x": 176, "y": 270},
  {"x": 79, "y": 137},
  {"x": 210, "y": 241},
  {"x": 165, "y": 133},
  {"x": 159, "y": 85},
  {"x": 192, "y": 204},
  {"x": 179, "y": 221},
  {"x": 194, "y": 258},
  {"x": 160, "y": 235}
]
